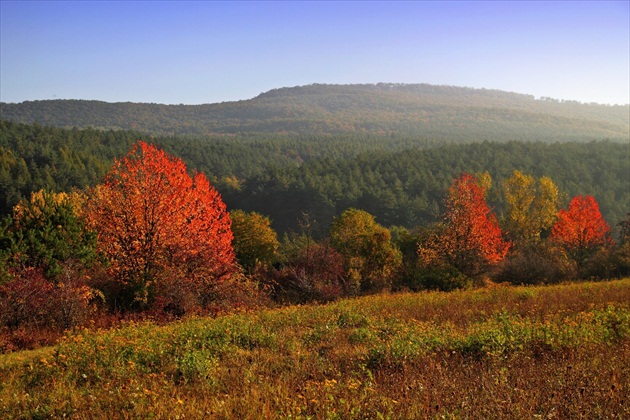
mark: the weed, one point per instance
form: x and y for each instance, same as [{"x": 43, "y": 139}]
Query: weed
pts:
[{"x": 562, "y": 351}]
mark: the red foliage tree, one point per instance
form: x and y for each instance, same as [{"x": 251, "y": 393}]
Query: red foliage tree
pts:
[
  {"x": 159, "y": 227},
  {"x": 581, "y": 230},
  {"x": 469, "y": 237}
]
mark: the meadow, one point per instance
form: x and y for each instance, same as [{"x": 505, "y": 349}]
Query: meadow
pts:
[{"x": 560, "y": 351}]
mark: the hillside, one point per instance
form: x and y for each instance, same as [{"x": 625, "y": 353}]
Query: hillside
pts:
[
  {"x": 443, "y": 112},
  {"x": 407, "y": 187},
  {"x": 537, "y": 352},
  {"x": 398, "y": 183}
]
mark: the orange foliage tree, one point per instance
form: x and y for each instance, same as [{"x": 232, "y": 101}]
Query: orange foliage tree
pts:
[
  {"x": 469, "y": 237},
  {"x": 581, "y": 230},
  {"x": 163, "y": 231}
]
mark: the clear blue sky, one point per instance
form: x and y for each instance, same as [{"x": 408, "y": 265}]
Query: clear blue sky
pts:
[{"x": 206, "y": 52}]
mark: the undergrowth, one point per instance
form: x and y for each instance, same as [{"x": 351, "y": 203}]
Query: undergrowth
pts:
[{"x": 521, "y": 352}]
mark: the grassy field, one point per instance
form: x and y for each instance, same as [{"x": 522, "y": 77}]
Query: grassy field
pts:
[{"x": 503, "y": 352}]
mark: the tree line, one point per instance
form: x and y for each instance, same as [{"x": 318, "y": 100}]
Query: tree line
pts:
[
  {"x": 400, "y": 180},
  {"x": 407, "y": 188},
  {"x": 152, "y": 238}
]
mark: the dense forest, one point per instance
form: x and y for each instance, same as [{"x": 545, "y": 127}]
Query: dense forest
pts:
[
  {"x": 407, "y": 188},
  {"x": 421, "y": 111},
  {"x": 400, "y": 180}
]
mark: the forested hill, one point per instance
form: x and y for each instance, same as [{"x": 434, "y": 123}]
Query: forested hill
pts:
[{"x": 438, "y": 112}]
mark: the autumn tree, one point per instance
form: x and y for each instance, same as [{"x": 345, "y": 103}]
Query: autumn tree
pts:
[
  {"x": 581, "y": 230},
  {"x": 468, "y": 238},
  {"x": 48, "y": 230},
  {"x": 164, "y": 232},
  {"x": 47, "y": 252},
  {"x": 371, "y": 260},
  {"x": 531, "y": 207},
  {"x": 255, "y": 241},
  {"x": 484, "y": 180}
]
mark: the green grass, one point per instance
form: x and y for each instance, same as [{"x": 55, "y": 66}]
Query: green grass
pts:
[
  {"x": 10, "y": 360},
  {"x": 519, "y": 352}
]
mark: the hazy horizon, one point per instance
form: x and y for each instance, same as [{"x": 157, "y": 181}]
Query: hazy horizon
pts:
[
  {"x": 541, "y": 98},
  {"x": 212, "y": 52}
]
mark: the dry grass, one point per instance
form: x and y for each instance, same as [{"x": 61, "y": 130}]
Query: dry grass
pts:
[{"x": 504, "y": 352}]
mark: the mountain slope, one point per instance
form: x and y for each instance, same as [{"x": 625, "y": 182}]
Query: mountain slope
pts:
[{"x": 444, "y": 112}]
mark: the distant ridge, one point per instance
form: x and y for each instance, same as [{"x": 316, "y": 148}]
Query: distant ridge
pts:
[{"x": 445, "y": 112}]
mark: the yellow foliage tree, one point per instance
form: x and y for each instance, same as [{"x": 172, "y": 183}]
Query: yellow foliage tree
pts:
[
  {"x": 484, "y": 180},
  {"x": 531, "y": 207},
  {"x": 371, "y": 259},
  {"x": 255, "y": 242},
  {"x": 49, "y": 229},
  {"x": 34, "y": 208}
]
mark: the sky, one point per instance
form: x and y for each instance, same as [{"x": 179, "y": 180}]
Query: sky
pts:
[{"x": 208, "y": 52}]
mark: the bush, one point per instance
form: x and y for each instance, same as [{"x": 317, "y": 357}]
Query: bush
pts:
[
  {"x": 238, "y": 293},
  {"x": 608, "y": 263},
  {"x": 370, "y": 257},
  {"x": 35, "y": 311},
  {"x": 445, "y": 278},
  {"x": 255, "y": 242},
  {"x": 533, "y": 265},
  {"x": 175, "y": 298},
  {"x": 76, "y": 302},
  {"x": 46, "y": 231},
  {"x": 407, "y": 242},
  {"x": 26, "y": 300},
  {"x": 621, "y": 259},
  {"x": 315, "y": 274}
]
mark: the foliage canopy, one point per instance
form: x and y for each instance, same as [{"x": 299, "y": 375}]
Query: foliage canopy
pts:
[
  {"x": 156, "y": 224},
  {"x": 469, "y": 237},
  {"x": 580, "y": 229}
]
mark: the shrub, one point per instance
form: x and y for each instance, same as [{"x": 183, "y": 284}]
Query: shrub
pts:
[
  {"x": 533, "y": 265},
  {"x": 410, "y": 273},
  {"x": 35, "y": 310},
  {"x": 445, "y": 278},
  {"x": 26, "y": 299},
  {"x": 315, "y": 274},
  {"x": 238, "y": 293},
  {"x": 607, "y": 263},
  {"x": 255, "y": 241},
  {"x": 46, "y": 231}
]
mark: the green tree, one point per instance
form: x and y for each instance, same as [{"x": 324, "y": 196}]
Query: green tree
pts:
[{"x": 48, "y": 230}]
